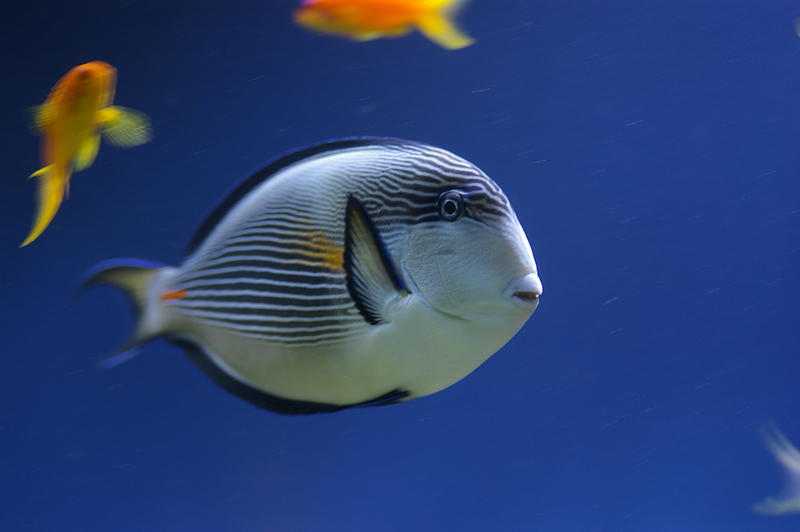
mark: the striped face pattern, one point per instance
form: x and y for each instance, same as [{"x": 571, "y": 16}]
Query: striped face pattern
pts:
[{"x": 357, "y": 272}]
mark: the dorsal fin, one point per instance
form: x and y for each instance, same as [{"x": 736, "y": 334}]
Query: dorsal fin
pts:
[{"x": 241, "y": 190}]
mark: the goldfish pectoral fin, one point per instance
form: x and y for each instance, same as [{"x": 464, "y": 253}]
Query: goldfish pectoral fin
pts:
[
  {"x": 87, "y": 152},
  {"x": 372, "y": 280},
  {"x": 50, "y": 195},
  {"x": 124, "y": 127},
  {"x": 441, "y": 30}
]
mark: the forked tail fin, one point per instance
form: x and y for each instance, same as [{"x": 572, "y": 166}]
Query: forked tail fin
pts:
[
  {"x": 134, "y": 278},
  {"x": 437, "y": 24}
]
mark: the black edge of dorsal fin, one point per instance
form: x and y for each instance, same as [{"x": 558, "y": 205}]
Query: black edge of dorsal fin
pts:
[
  {"x": 284, "y": 161},
  {"x": 371, "y": 276}
]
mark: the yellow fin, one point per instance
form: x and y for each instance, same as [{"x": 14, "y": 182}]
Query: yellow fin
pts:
[
  {"x": 51, "y": 192},
  {"x": 41, "y": 116},
  {"x": 41, "y": 171},
  {"x": 437, "y": 27},
  {"x": 87, "y": 152},
  {"x": 124, "y": 127},
  {"x": 448, "y": 7}
]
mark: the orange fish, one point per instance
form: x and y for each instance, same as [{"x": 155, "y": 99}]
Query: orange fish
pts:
[
  {"x": 70, "y": 121},
  {"x": 364, "y": 20}
]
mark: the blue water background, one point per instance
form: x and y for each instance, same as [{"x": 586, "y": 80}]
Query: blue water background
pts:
[{"x": 652, "y": 151}]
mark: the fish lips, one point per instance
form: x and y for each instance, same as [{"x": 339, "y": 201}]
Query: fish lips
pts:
[
  {"x": 525, "y": 291},
  {"x": 522, "y": 293}
]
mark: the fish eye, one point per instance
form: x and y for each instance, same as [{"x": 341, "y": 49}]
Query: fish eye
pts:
[{"x": 451, "y": 206}]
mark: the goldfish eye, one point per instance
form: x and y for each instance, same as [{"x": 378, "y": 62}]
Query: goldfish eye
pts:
[{"x": 450, "y": 206}]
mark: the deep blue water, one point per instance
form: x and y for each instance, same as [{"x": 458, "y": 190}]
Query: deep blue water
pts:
[{"x": 651, "y": 149}]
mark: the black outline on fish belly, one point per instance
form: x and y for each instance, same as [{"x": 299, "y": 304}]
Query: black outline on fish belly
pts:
[{"x": 266, "y": 400}]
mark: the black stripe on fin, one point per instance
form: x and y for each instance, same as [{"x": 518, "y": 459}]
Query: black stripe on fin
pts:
[
  {"x": 276, "y": 166},
  {"x": 371, "y": 277},
  {"x": 268, "y": 401}
]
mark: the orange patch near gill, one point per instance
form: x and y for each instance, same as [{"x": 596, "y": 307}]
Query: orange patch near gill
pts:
[
  {"x": 323, "y": 250},
  {"x": 172, "y": 295}
]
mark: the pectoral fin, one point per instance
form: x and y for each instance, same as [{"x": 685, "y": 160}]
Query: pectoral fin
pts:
[
  {"x": 124, "y": 127},
  {"x": 52, "y": 186},
  {"x": 87, "y": 152},
  {"x": 371, "y": 277},
  {"x": 436, "y": 26}
]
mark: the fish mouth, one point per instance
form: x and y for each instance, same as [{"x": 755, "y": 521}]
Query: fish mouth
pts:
[{"x": 524, "y": 291}]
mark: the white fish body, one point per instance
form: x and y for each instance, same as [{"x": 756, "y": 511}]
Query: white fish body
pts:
[
  {"x": 362, "y": 271},
  {"x": 787, "y": 455}
]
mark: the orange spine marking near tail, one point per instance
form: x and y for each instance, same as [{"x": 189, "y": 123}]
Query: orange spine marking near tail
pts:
[{"x": 172, "y": 295}]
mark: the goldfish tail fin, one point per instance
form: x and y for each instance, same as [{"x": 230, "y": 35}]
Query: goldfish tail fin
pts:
[
  {"x": 124, "y": 127},
  {"x": 450, "y": 8},
  {"x": 134, "y": 277},
  {"x": 52, "y": 187},
  {"x": 437, "y": 25}
]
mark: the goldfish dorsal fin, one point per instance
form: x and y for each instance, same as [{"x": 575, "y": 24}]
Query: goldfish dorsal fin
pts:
[
  {"x": 438, "y": 27},
  {"x": 124, "y": 127},
  {"x": 41, "y": 116},
  {"x": 87, "y": 152}
]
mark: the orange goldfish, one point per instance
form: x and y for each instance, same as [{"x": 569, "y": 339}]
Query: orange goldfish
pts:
[
  {"x": 70, "y": 121},
  {"x": 364, "y": 20}
]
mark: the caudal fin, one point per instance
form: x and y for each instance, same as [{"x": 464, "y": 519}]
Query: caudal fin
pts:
[
  {"x": 53, "y": 182},
  {"x": 134, "y": 278},
  {"x": 437, "y": 24},
  {"x": 787, "y": 455}
]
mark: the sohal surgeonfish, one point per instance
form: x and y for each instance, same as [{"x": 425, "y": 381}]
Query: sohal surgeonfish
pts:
[
  {"x": 365, "y": 20},
  {"x": 70, "y": 121},
  {"x": 357, "y": 272}
]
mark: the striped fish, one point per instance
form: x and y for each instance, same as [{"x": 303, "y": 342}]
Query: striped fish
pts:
[{"x": 356, "y": 272}]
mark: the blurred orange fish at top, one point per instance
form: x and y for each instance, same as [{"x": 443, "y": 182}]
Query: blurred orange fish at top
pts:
[
  {"x": 364, "y": 20},
  {"x": 70, "y": 121}
]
